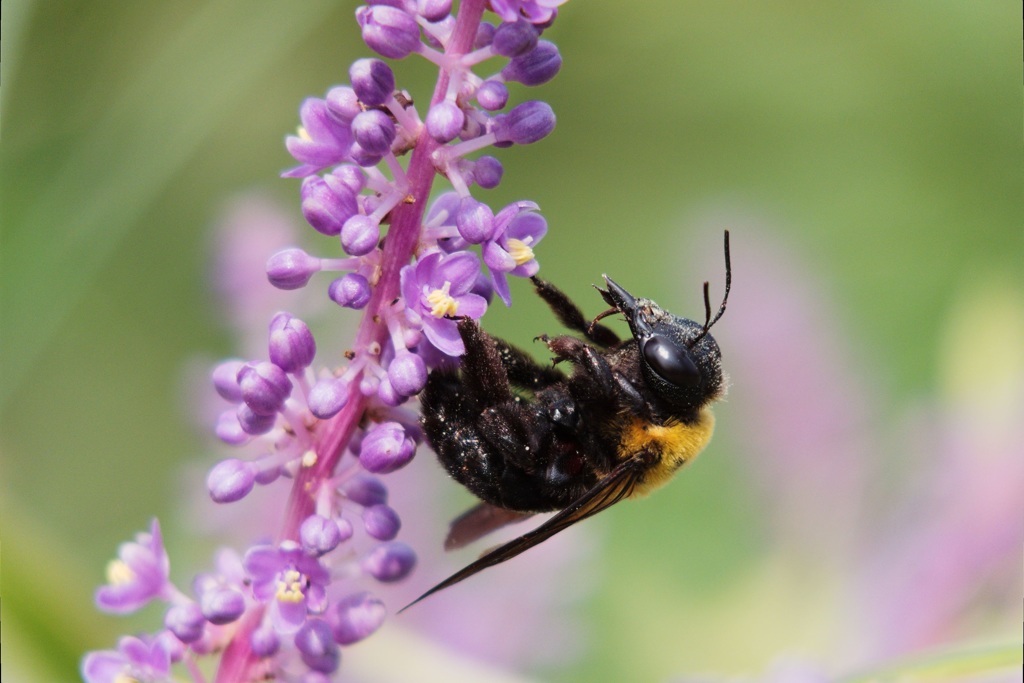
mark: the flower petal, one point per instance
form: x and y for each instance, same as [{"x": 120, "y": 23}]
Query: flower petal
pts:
[
  {"x": 444, "y": 335},
  {"x": 459, "y": 269},
  {"x": 497, "y": 259},
  {"x": 472, "y": 305},
  {"x": 501, "y": 287},
  {"x": 527, "y": 224}
]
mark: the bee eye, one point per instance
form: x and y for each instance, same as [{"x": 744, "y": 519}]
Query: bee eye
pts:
[{"x": 671, "y": 361}]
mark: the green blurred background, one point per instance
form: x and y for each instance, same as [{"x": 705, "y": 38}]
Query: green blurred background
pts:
[{"x": 881, "y": 142}]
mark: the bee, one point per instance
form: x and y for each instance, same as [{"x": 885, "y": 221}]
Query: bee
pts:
[{"x": 526, "y": 438}]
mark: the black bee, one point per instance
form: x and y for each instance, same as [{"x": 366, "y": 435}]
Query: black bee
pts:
[{"x": 526, "y": 438}]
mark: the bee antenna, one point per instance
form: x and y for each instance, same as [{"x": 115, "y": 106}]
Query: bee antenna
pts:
[{"x": 708, "y": 320}]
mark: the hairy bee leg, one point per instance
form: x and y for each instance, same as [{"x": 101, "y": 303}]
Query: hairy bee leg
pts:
[
  {"x": 523, "y": 371},
  {"x": 587, "y": 358},
  {"x": 571, "y": 316},
  {"x": 483, "y": 373}
]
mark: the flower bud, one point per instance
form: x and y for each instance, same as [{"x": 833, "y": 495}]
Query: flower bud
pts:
[
  {"x": 252, "y": 423},
  {"x": 386, "y": 448},
  {"x": 328, "y": 397},
  {"x": 357, "y": 616},
  {"x": 487, "y": 172},
  {"x": 319, "y": 535},
  {"x": 525, "y": 123},
  {"x": 292, "y": 347},
  {"x": 365, "y": 489},
  {"x": 346, "y": 176},
  {"x": 225, "y": 380},
  {"x": 365, "y": 158},
  {"x": 484, "y": 35},
  {"x": 492, "y": 95},
  {"x": 372, "y": 80},
  {"x": 264, "y": 640},
  {"x": 390, "y": 562},
  {"x": 444, "y": 121},
  {"x": 360, "y": 235},
  {"x": 315, "y": 643},
  {"x": 388, "y": 31},
  {"x": 325, "y": 208},
  {"x": 513, "y": 38},
  {"x": 291, "y": 268},
  {"x": 222, "y": 605},
  {"x": 474, "y": 220},
  {"x": 186, "y": 622},
  {"x": 407, "y": 374},
  {"x": 351, "y": 291},
  {"x": 264, "y": 387},
  {"x": 381, "y": 522},
  {"x": 433, "y": 10},
  {"x": 342, "y": 104},
  {"x": 231, "y": 480},
  {"x": 537, "y": 66},
  {"x": 387, "y": 394},
  {"x": 229, "y": 429},
  {"x": 374, "y": 131}
]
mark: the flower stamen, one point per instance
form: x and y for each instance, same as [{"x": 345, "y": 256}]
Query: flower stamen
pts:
[
  {"x": 520, "y": 251},
  {"x": 119, "y": 573},
  {"x": 443, "y": 304},
  {"x": 289, "y": 587}
]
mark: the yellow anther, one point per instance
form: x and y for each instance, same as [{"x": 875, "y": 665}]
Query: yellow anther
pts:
[
  {"x": 289, "y": 587},
  {"x": 520, "y": 251},
  {"x": 119, "y": 573},
  {"x": 303, "y": 133},
  {"x": 309, "y": 458},
  {"x": 442, "y": 303}
]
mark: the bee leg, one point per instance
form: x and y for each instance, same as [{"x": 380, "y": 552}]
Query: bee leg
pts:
[
  {"x": 585, "y": 357},
  {"x": 523, "y": 371},
  {"x": 571, "y": 316},
  {"x": 483, "y": 373}
]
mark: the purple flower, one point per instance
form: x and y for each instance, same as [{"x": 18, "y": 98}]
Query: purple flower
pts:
[
  {"x": 134, "y": 659},
  {"x": 381, "y": 522},
  {"x": 321, "y": 140},
  {"x": 536, "y": 67},
  {"x": 390, "y": 31},
  {"x": 292, "y": 582},
  {"x": 265, "y": 387},
  {"x": 351, "y": 291},
  {"x": 357, "y": 616},
  {"x": 517, "y": 230},
  {"x": 291, "y": 268},
  {"x": 386, "y": 448},
  {"x": 291, "y": 343},
  {"x": 525, "y": 124},
  {"x": 372, "y": 80},
  {"x": 535, "y": 11},
  {"x": 186, "y": 622},
  {"x": 327, "y": 205},
  {"x": 437, "y": 289},
  {"x": 138, "y": 575},
  {"x": 315, "y": 643},
  {"x": 231, "y": 479},
  {"x": 390, "y": 562}
]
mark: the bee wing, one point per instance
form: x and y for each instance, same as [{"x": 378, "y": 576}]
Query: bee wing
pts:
[
  {"x": 477, "y": 522},
  {"x": 615, "y": 486}
]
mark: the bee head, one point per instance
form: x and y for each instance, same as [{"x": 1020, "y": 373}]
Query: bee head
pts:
[{"x": 679, "y": 359}]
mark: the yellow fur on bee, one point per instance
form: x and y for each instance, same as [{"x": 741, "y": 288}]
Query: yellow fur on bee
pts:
[{"x": 676, "y": 442}]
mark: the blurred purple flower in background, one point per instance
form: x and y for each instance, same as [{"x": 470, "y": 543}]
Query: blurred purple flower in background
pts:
[{"x": 914, "y": 563}]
